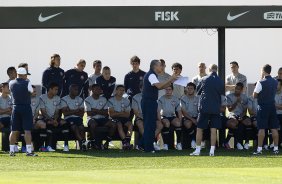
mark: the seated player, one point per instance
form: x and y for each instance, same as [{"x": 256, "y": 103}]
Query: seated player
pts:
[
  {"x": 278, "y": 103},
  {"x": 96, "y": 108},
  {"x": 136, "y": 107},
  {"x": 168, "y": 105},
  {"x": 73, "y": 111},
  {"x": 237, "y": 103},
  {"x": 189, "y": 107},
  {"x": 50, "y": 107},
  {"x": 5, "y": 106},
  {"x": 224, "y": 120},
  {"x": 119, "y": 111}
]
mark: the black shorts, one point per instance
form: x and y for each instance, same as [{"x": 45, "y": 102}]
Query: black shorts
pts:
[
  {"x": 186, "y": 119},
  {"x": 21, "y": 118},
  {"x": 170, "y": 119},
  {"x": 224, "y": 120},
  {"x": 78, "y": 121},
  {"x": 267, "y": 117},
  {"x": 138, "y": 119},
  {"x": 100, "y": 121},
  {"x": 121, "y": 120},
  {"x": 253, "y": 119},
  {"x": 6, "y": 122},
  {"x": 204, "y": 120}
]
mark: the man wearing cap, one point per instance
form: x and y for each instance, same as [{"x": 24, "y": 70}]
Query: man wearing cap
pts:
[
  {"x": 149, "y": 103},
  {"x": 22, "y": 119}
]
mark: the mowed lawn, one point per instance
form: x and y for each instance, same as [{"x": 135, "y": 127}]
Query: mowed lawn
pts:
[{"x": 117, "y": 166}]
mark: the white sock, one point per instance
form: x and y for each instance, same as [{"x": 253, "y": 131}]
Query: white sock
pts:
[
  {"x": 259, "y": 149},
  {"x": 198, "y": 149},
  {"x": 28, "y": 148},
  {"x": 275, "y": 148},
  {"x": 12, "y": 148},
  {"x": 212, "y": 149}
]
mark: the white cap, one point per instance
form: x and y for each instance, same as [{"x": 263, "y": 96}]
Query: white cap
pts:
[{"x": 21, "y": 71}]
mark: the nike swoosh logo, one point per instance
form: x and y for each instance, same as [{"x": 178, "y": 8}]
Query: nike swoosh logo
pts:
[
  {"x": 43, "y": 19},
  {"x": 231, "y": 18}
]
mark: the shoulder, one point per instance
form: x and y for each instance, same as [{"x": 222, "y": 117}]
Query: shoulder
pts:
[
  {"x": 113, "y": 78},
  {"x": 88, "y": 98},
  {"x": 241, "y": 76}
]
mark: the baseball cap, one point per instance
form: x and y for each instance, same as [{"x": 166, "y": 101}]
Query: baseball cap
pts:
[{"x": 21, "y": 71}]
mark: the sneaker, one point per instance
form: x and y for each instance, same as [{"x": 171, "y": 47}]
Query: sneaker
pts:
[
  {"x": 84, "y": 146},
  {"x": 106, "y": 146},
  {"x": 257, "y": 153},
  {"x": 165, "y": 147},
  {"x": 271, "y": 146},
  {"x": 195, "y": 153},
  {"x": 157, "y": 147},
  {"x": 246, "y": 146},
  {"x": 193, "y": 144},
  {"x": 203, "y": 144},
  {"x": 227, "y": 146},
  {"x": 239, "y": 146},
  {"x": 265, "y": 147},
  {"x": 32, "y": 154},
  {"x": 111, "y": 144},
  {"x": 43, "y": 149},
  {"x": 140, "y": 148},
  {"x": 66, "y": 148},
  {"x": 49, "y": 149},
  {"x": 179, "y": 146},
  {"x": 12, "y": 154},
  {"x": 23, "y": 149},
  {"x": 276, "y": 152},
  {"x": 211, "y": 154}
]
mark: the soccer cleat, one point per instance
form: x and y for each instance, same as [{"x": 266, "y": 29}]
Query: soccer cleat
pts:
[
  {"x": 43, "y": 149},
  {"x": 246, "y": 146},
  {"x": 265, "y": 147},
  {"x": 106, "y": 146},
  {"x": 84, "y": 146},
  {"x": 179, "y": 146},
  {"x": 140, "y": 148},
  {"x": 66, "y": 148},
  {"x": 23, "y": 149},
  {"x": 165, "y": 147},
  {"x": 12, "y": 154},
  {"x": 227, "y": 146},
  {"x": 157, "y": 147},
  {"x": 239, "y": 146},
  {"x": 211, "y": 154},
  {"x": 111, "y": 144},
  {"x": 31, "y": 154},
  {"x": 256, "y": 153},
  {"x": 203, "y": 144},
  {"x": 271, "y": 146},
  {"x": 193, "y": 144},
  {"x": 195, "y": 153},
  {"x": 49, "y": 149},
  {"x": 276, "y": 152}
]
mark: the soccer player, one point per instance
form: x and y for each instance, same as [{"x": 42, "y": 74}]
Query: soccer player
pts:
[
  {"x": 189, "y": 106},
  {"x": 97, "y": 66},
  {"x": 136, "y": 107},
  {"x": 234, "y": 78},
  {"x": 168, "y": 105},
  {"x": 278, "y": 104},
  {"x": 133, "y": 78},
  {"x": 210, "y": 88},
  {"x": 5, "y": 106},
  {"x": 12, "y": 73},
  {"x": 265, "y": 91},
  {"x": 237, "y": 104},
  {"x": 79, "y": 77},
  {"x": 202, "y": 73},
  {"x": 96, "y": 108},
  {"x": 162, "y": 77},
  {"x": 178, "y": 91},
  {"x": 119, "y": 111},
  {"x": 279, "y": 74},
  {"x": 106, "y": 82},
  {"x": 73, "y": 111},
  {"x": 53, "y": 74},
  {"x": 50, "y": 107}
]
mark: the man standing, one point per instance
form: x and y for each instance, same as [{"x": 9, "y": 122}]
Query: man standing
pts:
[
  {"x": 265, "y": 91},
  {"x": 234, "y": 78},
  {"x": 202, "y": 73},
  {"x": 163, "y": 76},
  {"x": 106, "y": 82},
  {"x": 150, "y": 105},
  {"x": 21, "y": 112},
  {"x": 97, "y": 66},
  {"x": 210, "y": 89},
  {"x": 178, "y": 90}
]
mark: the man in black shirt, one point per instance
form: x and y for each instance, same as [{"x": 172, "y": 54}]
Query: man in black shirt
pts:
[{"x": 106, "y": 82}]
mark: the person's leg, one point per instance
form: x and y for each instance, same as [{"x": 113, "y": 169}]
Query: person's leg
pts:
[
  {"x": 202, "y": 123},
  {"x": 129, "y": 131},
  {"x": 261, "y": 135},
  {"x": 140, "y": 126},
  {"x": 199, "y": 138},
  {"x": 178, "y": 129},
  {"x": 151, "y": 115},
  {"x": 165, "y": 131},
  {"x": 275, "y": 138},
  {"x": 213, "y": 140},
  {"x": 159, "y": 127}
]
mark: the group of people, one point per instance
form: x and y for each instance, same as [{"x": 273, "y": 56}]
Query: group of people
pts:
[{"x": 149, "y": 100}]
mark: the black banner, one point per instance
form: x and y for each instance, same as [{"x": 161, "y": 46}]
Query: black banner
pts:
[{"x": 142, "y": 17}]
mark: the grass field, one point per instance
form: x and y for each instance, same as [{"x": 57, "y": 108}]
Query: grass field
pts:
[{"x": 117, "y": 166}]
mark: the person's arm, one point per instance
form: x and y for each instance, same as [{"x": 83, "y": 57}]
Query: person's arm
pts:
[
  {"x": 29, "y": 87},
  {"x": 113, "y": 113},
  {"x": 45, "y": 81},
  {"x": 125, "y": 83},
  {"x": 86, "y": 87},
  {"x": 257, "y": 90},
  {"x": 161, "y": 85},
  {"x": 5, "y": 111}
]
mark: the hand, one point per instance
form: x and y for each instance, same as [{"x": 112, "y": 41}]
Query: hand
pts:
[{"x": 174, "y": 77}]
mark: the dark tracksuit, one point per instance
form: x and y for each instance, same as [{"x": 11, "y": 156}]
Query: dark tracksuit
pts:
[
  {"x": 132, "y": 82},
  {"x": 210, "y": 90},
  {"x": 107, "y": 86},
  {"x": 149, "y": 107},
  {"x": 53, "y": 74},
  {"x": 73, "y": 76},
  {"x": 21, "y": 113}
]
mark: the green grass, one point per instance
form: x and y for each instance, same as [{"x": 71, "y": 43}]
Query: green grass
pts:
[{"x": 117, "y": 166}]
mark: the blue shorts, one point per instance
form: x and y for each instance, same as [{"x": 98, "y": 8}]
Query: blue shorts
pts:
[
  {"x": 121, "y": 120},
  {"x": 204, "y": 120},
  {"x": 100, "y": 121},
  {"x": 267, "y": 117},
  {"x": 78, "y": 121},
  {"x": 6, "y": 121},
  {"x": 22, "y": 118}
]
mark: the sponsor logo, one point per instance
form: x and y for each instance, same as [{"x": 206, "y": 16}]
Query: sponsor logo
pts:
[
  {"x": 233, "y": 17},
  {"x": 166, "y": 16},
  {"x": 44, "y": 19},
  {"x": 273, "y": 16}
]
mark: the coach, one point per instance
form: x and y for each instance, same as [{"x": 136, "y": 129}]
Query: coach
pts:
[
  {"x": 149, "y": 103},
  {"x": 22, "y": 119},
  {"x": 265, "y": 91}
]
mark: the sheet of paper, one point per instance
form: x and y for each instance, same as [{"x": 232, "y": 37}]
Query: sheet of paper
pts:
[{"x": 182, "y": 81}]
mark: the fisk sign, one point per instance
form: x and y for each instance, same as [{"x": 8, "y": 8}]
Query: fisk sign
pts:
[
  {"x": 166, "y": 16},
  {"x": 273, "y": 16}
]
